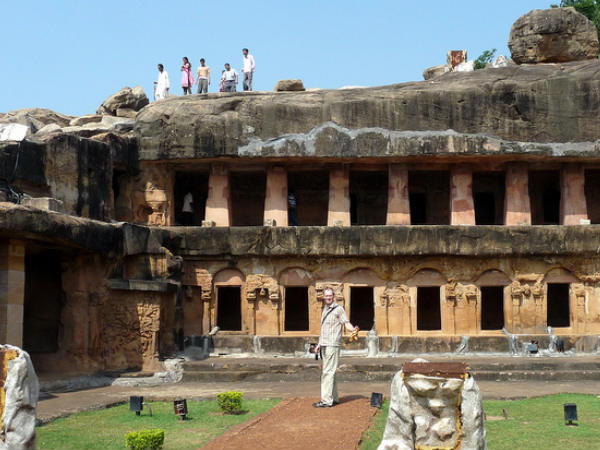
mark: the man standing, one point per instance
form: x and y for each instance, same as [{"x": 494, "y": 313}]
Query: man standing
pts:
[
  {"x": 333, "y": 319},
  {"x": 248, "y": 70},
  {"x": 187, "y": 210},
  {"x": 203, "y": 73},
  {"x": 230, "y": 79},
  {"x": 161, "y": 87},
  {"x": 292, "y": 209}
]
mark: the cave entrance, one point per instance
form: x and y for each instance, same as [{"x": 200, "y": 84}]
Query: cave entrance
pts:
[
  {"x": 311, "y": 191},
  {"x": 229, "y": 308},
  {"x": 362, "y": 308},
  {"x": 492, "y": 307},
  {"x": 488, "y": 197},
  {"x": 296, "y": 309},
  {"x": 544, "y": 193},
  {"x": 429, "y": 316},
  {"x": 557, "y": 312},
  {"x": 429, "y": 197},
  {"x": 592, "y": 193},
  {"x": 190, "y": 192},
  {"x": 368, "y": 197},
  {"x": 248, "y": 191},
  {"x": 43, "y": 301}
]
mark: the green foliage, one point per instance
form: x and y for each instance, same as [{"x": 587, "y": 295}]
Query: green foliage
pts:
[
  {"x": 145, "y": 439},
  {"x": 105, "y": 428},
  {"x": 230, "y": 402},
  {"x": 589, "y": 8},
  {"x": 533, "y": 423},
  {"x": 485, "y": 58}
]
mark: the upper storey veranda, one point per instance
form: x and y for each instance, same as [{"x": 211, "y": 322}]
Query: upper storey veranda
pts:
[{"x": 544, "y": 109}]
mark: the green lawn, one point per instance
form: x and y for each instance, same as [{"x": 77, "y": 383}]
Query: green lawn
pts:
[
  {"x": 106, "y": 429},
  {"x": 535, "y": 423}
]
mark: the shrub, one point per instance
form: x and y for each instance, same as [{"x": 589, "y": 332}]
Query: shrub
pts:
[
  {"x": 485, "y": 58},
  {"x": 230, "y": 402},
  {"x": 145, "y": 439}
]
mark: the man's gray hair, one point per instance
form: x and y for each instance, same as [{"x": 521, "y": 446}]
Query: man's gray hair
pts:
[{"x": 328, "y": 288}]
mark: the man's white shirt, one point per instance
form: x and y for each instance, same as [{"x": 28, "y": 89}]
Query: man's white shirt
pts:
[{"x": 248, "y": 64}]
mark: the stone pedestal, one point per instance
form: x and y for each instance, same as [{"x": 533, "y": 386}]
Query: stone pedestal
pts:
[
  {"x": 218, "y": 203},
  {"x": 12, "y": 291},
  {"x": 517, "y": 207},
  {"x": 573, "y": 207},
  {"x": 339, "y": 197},
  {"x": 398, "y": 210},
  {"x": 276, "y": 197},
  {"x": 462, "y": 210}
]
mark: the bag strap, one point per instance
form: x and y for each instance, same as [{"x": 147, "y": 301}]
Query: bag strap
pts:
[{"x": 328, "y": 312}]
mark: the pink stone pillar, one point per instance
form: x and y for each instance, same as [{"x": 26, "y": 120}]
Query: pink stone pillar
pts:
[
  {"x": 276, "y": 196},
  {"x": 573, "y": 206},
  {"x": 517, "y": 208},
  {"x": 339, "y": 196},
  {"x": 462, "y": 210},
  {"x": 218, "y": 203},
  {"x": 398, "y": 209},
  {"x": 12, "y": 291}
]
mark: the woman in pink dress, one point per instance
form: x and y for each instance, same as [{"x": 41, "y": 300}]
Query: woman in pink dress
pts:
[{"x": 187, "y": 79}]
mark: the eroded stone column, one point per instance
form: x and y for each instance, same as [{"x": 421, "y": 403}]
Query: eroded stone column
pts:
[
  {"x": 573, "y": 206},
  {"x": 398, "y": 210},
  {"x": 12, "y": 291},
  {"x": 276, "y": 196},
  {"x": 517, "y": 207},
  {"x": 462, "y": 209},
  {"x": 339, "y": 197},
  {"x": 218, "y": 203}
]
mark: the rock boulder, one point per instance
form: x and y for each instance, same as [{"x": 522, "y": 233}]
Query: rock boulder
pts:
[
  {"x": 289, "y": 85},
  {"x": 127, "y": 98},
  {"x": 435, "y": 71},
  {"x": 553, "y": 35}
]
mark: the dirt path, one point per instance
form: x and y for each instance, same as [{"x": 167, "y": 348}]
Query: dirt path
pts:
[{"x": 296, "y": 424}]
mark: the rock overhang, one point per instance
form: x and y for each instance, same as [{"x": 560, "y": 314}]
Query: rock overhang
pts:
[{"x": 509, "y": 109}]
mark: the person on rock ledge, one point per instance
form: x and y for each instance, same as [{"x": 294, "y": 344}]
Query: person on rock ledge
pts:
[
  {"x": 230, "y": 79},
  {"x": 248, "y": 69},
  {"x": 187, "y": 79},
  {"x": 333, "y": 319},
  {"x": 161, "y": 87},
  {"x": 203, "y": 77}
]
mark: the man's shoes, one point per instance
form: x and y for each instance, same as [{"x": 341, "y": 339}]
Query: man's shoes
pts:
[
  {"x": 336, "y": 403},
  {"x": 321, "y": 405}
]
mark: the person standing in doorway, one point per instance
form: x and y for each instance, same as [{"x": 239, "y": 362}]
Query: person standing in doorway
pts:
[
  {"x": 187, "y": 210},
  {"x": 292, "y": 209},
  {"x": 161, "y": 87},
  {"x": 230, "y": 79},
  {"x": 203, "y": 77},
  {"x": 187, "y": 79},
  {"x": 333, "y": 319},
  {"x": 248, "y": 69}
]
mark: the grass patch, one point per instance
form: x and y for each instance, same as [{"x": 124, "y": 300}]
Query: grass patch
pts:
[
  {"x": 535, "y": 423},
  {"x": 106, "y": 428}
]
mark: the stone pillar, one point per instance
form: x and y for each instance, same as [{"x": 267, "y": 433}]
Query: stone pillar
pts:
[
  {"x": 573, "y": 206},
  {"x": 339, "y": 196},
  {"x": 12, "y": 291},
  {"x": 462, "y": 209},
  {"x": 517, "y": 208},
  {"x": 398, "y": 209},
  {"x": 276, "y": 196},
  {"x": 218, "y": 203}
]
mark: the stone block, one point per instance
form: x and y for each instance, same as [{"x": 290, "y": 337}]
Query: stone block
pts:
[
  {"x": 208, "y": 223},
  {"x": 45, "y": 203}
]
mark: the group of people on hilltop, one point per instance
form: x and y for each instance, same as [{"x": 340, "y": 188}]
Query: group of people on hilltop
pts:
[{"x": 228, "y": 83}]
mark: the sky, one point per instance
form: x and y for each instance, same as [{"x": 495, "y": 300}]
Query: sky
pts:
[{"x": 69, "y": 55}]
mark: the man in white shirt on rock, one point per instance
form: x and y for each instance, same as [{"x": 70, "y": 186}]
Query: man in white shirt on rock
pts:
[
  {"x": 230, "y": 79},
  {"x": 248, "y": 70},
  {"x": 161, "y": 87},
  {"x": 333, "y": 319}
]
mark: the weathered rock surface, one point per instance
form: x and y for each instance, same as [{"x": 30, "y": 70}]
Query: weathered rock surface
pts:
[
  {"x": 83, "y": 120},
  {"x": 127, "y": 98},
  {"x": 529, "y": 103},
  {"x": 553, "y": 35},
  {"x": 289, "y": 85},
  {"x": 434, "y": 412},
  {"x": 22, "y": 392},
  {"x": 435, "y": 71}
]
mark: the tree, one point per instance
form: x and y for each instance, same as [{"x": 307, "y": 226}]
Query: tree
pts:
[
  {"x": 485, "y": 58},
  {"x": 589, "y": 8}
]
